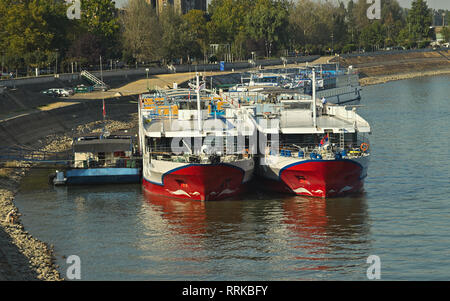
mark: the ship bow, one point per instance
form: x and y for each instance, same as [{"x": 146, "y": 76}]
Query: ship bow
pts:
[
  {"x": 200, "y": 182},
  {"x": 323, "y": 178}
]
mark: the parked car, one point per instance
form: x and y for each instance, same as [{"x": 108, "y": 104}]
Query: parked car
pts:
[
  {"x": 69, "y": 90},
  {"x": 64, "y": 92},
  {"x": 51, "y": 92},
  {"x": 83, "y": 89}
]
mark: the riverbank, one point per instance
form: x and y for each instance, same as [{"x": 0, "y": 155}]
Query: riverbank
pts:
[
  {"x": 23, "y": 257},
  {"x": 375, "y": 80},
  {"x": 378, "y": 68}
]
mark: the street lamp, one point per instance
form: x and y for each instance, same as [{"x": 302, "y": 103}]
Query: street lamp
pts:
[
  {"x": 56, "y": 67},
  {"x": 332, "y": 43},
  {"x": 147, "y": 70}
]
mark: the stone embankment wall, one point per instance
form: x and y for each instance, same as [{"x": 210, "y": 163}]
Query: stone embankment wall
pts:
[
  {"x": 380, "y": 67},
  {"x": 30, "y": 128}
]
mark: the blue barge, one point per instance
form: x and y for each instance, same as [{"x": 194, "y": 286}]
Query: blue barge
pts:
[{"x": 104, "y": 159}]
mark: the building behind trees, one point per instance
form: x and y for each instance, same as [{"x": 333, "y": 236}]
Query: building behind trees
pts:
[{"x": 181, "y": 6}]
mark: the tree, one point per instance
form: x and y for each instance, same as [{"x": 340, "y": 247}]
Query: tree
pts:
[
  {"x": 446, "y": 33},
  {"x": 372, "y": 36},
  {"x": 267, "y": 21},
  {"x": 176, "y": 40},
  {"x": 419, "y": 20},
  {"x": 141, "y": 31},
  {"x": 87, "y": 49},
  {"x": 196, "y": 21},
  {"x": 29, "y": 28},
  {"x": 227, "y": 19},
  {"x": 393, "y": 21},
  {"x": 317, "y": 26},
  {"x": 99, "y": 17}
]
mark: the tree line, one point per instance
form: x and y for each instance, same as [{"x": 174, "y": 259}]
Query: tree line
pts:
[{"x": 38, "y": 34}]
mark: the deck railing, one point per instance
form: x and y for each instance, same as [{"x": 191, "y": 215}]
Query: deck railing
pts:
[
  {"x": 316, "y": 151},
  {"x": 134, "y": 162}
]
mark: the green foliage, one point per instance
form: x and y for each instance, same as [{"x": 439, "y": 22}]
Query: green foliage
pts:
[
  {"x": 100, "y": 18},
  {"x": 35, "y": 33},
  {"x": 141, "y": 32},
  {"x": 228, "y": 19},
  {"x": 196, "y": 23},
  {"x": 419, "y": 20},
  {"x": 372, "y": 36},
  {"x": 446, "y": 33},
  {"x": 266, "y": 22},
  {"x": 320, "y": 24},
  {"x": 176, "y": 38},
  {"x": 31, "y": 29},
  {"x": 349, "y": 48}
]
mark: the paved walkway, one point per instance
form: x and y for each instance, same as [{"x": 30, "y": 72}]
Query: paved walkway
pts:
[
  {"x": 142, "y": 85},
  {"x": 167, "y": 80}
]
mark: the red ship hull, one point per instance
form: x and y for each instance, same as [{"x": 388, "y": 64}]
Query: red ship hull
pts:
[
  {"x": 319, "y": 178},
  {"x": 199, "y": 182}
]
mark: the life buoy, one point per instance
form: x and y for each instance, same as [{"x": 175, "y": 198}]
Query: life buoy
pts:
[
  {"x": 364, "y": 146},
  {"x": 245, "y": 153}
]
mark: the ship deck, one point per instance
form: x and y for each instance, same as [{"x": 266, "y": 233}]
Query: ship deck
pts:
[
  {"x": 301, "y": 122},
  {"x": 220, "y": 126}
]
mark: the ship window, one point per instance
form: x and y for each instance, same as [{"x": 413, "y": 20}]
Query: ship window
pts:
[{"x": 191, "y": 105}]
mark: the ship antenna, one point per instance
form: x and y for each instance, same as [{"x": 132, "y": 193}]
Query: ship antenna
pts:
[
  {"x": 103, "y": 99},
  {"x": 198, "y": 104},
  {"x": 314, "y": 96}
]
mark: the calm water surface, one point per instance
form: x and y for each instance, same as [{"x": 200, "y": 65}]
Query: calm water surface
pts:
[{"x": 120, "y": 233}]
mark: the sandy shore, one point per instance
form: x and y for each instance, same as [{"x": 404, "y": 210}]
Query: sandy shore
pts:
[{"x": 23, "y": 257}]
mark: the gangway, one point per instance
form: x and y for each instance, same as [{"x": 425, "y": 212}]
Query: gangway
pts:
[{"x": 98, "y": 84}]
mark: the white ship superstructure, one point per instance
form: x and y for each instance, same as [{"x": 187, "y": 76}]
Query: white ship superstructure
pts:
[{"x": 194, "y": 145}]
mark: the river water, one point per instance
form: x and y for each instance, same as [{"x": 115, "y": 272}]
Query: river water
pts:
[{"x": 120, "y": 233}]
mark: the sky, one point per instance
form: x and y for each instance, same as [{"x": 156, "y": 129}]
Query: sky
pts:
[{"x": 436, "y": 4}]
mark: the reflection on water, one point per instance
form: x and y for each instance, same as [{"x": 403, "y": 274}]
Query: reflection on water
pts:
[
  {"x": 296, "y": 233},
  {"x": 328, "y": 231},
  {"x": 121, "y": 232}
]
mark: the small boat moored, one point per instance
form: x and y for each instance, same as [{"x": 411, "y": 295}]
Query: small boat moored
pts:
[{"x": 100, "y": 160}]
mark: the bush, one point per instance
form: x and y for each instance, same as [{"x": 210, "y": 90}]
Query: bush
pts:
[
  {"x": 349, "y": 48},
  {"x": 423, "y": 44}
]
